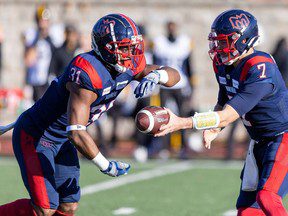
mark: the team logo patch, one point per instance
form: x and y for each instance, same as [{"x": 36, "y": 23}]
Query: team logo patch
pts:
[
  {"x": 239, "y": 21},
  {"x": 46, "y": 144},
  {"x": 222, "y": 80},
  {"x": 230, "y": 89},
  {"x": 235, "y": 83},
  {"x": 121, "y": 85},
  {"x": 106, "y": 91}
]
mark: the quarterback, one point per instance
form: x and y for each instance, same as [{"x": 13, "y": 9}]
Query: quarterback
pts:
[{"x": 251, "y": 88}]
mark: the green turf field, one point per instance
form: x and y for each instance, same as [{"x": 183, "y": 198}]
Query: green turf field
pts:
[{"x": 198, "y": 188}]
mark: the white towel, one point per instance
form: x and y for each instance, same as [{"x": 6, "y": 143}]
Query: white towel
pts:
[{"x": 251, "y": 175}]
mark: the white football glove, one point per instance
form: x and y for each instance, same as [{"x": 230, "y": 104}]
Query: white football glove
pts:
[
  {"x": 116, "y": 168},
  {"x": 147, "y": 84}
]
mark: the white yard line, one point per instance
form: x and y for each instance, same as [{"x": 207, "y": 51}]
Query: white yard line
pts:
[
  {"x": 157, "y": 172},
  {"x": 123, "y": 180},
  {"x": 230, "y": 213},
  {"x": 124, "y": 211}
]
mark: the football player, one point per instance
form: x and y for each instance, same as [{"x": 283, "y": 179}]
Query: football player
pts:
[
  {"x": 250, "y": 88},
  {"x": 46, "y": 136}
]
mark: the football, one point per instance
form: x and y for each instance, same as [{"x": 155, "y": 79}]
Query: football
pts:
[{"x": 149, "y": 119}]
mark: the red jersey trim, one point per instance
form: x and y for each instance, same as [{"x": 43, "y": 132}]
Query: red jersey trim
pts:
[
  {"x": 279, "y": 169},
  {"x": 251, "y": 62}
]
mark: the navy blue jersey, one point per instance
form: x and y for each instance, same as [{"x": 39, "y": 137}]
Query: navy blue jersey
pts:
[
  {"x": 49, "y": 114},
  {"x": 256, "y": 90}
]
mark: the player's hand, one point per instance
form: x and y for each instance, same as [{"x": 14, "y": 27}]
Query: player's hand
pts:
[
  {"x": 209, "y": 136},
  {"x": 116, "y": 168},
  {"x": 147, "y": 84},
  {"x": 175, "y": 123}
]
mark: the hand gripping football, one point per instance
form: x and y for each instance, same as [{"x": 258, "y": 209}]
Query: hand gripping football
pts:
[{"x": 149, "y": 119}]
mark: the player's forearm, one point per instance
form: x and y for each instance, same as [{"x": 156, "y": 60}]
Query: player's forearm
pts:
[
  {"x": 217, "y": 107},
  {"x": 186, "y": 123},
  {"x": 227, "y": 115},
  {"x": 216, "y": 119},
  {"x": 84, "y": 143},
  {"x": 173, "y": 76}
]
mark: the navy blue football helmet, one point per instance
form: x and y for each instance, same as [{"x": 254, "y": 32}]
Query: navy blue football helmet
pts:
[
  {"x": 232, "y": 34},
  {"x": 116, "y": 39}
]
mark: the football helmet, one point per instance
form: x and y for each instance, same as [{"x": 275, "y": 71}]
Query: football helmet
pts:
[
  {"x": 232, "y": 34},
  {"x": 116, "y": 39}
]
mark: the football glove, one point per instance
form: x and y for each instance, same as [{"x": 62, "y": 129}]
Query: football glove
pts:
[
  {"x": 147, "y": 84},
  {"x": 116, "y": 168}
]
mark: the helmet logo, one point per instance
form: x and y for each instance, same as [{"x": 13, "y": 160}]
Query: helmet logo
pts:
[
  {"x": 239, "y": 21},
  {"x": 105, "y": 27}
]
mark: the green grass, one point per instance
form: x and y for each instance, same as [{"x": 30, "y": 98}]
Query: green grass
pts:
[{"x": 199, "y": 191}]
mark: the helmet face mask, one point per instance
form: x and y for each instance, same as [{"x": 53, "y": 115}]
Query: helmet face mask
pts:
[
  {"x": 222, "y": 48},
  {"x": 232, "y": 34},
  {"x": 128, "y": 53},
  {"x": 116, "y": 40}
]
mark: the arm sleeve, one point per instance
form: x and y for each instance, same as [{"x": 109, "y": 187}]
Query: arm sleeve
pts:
[{"x": 249, "y": 96}]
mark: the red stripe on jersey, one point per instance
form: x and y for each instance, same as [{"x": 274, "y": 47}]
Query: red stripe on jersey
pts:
[
  {"x": 280, "y": 167},
  {"x": 251, "y": 62},
  {"x": 90, "y": 70},
  {"x": 131, "y": 23},
  {"x": 34, "y": 171}
]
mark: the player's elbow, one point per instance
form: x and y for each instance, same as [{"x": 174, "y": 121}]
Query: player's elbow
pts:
[{"x": 227, "y": 116}]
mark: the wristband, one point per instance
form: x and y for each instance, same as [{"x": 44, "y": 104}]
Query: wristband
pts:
[
  {"x": 100, "y": 161},
  {"x": 75, "y": 127},
  {"x": 163, "y": 78}
]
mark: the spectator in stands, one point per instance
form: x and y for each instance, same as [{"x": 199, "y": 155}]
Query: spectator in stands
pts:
[
  {"x": 280, "y": 54},
  {"x": 64, "y": 54},
  {"x": 175, "y": 49},
  {"x": 38, "y": 52}
]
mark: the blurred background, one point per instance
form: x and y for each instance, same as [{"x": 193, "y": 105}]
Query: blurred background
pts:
[{"x": 37, "y": 41}]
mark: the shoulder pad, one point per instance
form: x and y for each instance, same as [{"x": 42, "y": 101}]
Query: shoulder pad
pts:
[
  {"x": 252, "y": 62},
  {"x": 86, "y": 66}
]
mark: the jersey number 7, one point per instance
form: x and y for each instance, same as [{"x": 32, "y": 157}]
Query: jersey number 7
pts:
[{"x": 263, "y": 68}]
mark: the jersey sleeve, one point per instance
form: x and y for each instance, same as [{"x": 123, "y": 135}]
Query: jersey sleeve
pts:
[
  {"x": 258, "y": 69},
  {"x": 222, "y": 96},
  {"x": 256, "y": 77},
  {"x": 249, "y": 96},
  {"x": 82, "y": 73}
]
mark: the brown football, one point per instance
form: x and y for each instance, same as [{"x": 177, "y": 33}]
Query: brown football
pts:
[{"x": 149, "y": 119}]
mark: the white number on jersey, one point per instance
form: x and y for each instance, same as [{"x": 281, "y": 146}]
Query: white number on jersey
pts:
[{"x": 263, "y": 68}]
